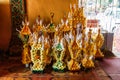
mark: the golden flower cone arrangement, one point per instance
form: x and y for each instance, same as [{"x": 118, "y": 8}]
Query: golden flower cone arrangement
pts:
[{"x": 66, "y": 46}]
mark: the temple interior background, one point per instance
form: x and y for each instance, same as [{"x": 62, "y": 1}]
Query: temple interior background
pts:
[{"x": 13, "y": 12}]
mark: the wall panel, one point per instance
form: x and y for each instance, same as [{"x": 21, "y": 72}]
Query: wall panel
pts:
[
  {"x": 5, "y": 24},
  {"x": 44, "y": 7}
]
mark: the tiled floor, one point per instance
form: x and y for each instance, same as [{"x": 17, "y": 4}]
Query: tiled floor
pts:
[
  {"x": 112, "y": 67},
  {"x": 13, "y": 70}
]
